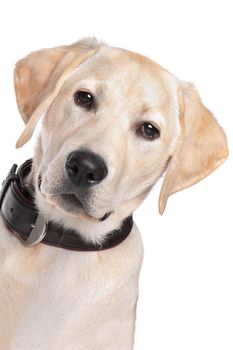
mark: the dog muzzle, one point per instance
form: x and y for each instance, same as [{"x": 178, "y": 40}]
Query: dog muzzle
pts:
[{"x": 23, "y": 218}]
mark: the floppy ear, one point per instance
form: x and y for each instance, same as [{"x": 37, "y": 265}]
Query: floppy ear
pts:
[
  {"x": 40, "y": 75},
  {"x": 201, "y": 149}
]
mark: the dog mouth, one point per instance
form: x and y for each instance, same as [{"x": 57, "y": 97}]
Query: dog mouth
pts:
[
  {"x": 72, "y": 199},
  {"x": 69, "y": 203},
  {"x": 73, "y": 203}
]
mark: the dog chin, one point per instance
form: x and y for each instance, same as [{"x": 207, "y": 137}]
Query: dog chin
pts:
[{"x": 70, "y": 204}]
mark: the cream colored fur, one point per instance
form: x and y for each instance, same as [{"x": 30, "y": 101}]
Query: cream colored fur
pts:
[{"x": 54, "y": 299}]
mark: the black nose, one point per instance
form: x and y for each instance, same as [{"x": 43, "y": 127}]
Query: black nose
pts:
[{"x": 85, "y": 168}]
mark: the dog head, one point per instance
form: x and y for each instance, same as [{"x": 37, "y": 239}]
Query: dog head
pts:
[{"x": 113, "y": 122}]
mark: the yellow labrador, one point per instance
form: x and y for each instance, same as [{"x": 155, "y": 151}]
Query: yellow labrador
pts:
[{"x": 113, "y": 123}]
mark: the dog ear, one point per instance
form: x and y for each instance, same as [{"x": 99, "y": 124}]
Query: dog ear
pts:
[
  {"x": 202, "y": 146},
  {"x": 39, "y": 77}
]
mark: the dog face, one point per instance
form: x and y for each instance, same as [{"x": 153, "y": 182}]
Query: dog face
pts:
[
  {"x": 113, "y": 121},
  {"x": 131, "y": 126}
]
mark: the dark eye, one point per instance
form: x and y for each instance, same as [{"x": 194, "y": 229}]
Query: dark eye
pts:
[
  {"x": 149, "y": 131},
  {"x": 84, "y": 99}
]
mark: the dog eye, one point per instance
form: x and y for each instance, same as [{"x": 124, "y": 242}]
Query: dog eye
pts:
[
  {"x": 84, "y": 99},
  {"x": 149, "y": 131}
]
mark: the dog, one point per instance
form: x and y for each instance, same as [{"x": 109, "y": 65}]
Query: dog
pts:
[{"x": 113, "y": 122}]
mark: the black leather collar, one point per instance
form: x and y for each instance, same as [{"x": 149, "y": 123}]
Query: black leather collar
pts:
[{"x": 22, "y": 217}]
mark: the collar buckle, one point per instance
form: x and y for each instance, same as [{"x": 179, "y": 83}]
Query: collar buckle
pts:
[{"x": 38, "y": 232}]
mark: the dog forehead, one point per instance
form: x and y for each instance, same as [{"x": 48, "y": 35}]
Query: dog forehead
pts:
[
  {"x": 127, "y": 75},
  {"x": 122, "y": 68}
]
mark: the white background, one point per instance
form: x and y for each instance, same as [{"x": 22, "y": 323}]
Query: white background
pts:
[{"x": 186, "y": 288}]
